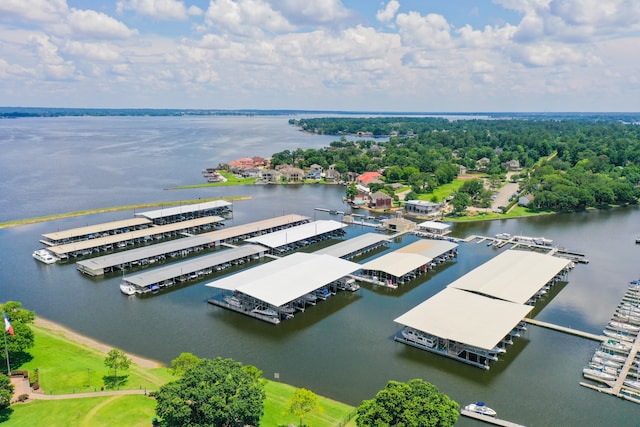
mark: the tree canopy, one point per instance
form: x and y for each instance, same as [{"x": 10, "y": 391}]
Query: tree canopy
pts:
[
  {"x": 303, "y": 403},
  {"x": 6, "y": 391},
  {"x": 185, "y": 361},
  {"x": 416, "y": 403},
  {"x": 22, "y": 339},
  {"x": 219, "y": 392},
  {"x": 116, "y": 360}
]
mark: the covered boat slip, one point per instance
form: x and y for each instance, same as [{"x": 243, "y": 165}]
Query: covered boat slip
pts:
[
  {"x": 258, "y": 228},
  {"x": 173, "y": 214},
  {"x": 94, "y": 231},
  {"x": 408, "y": 262},
  {"x": 514, "y": 275},
  {"x": 434, "y": 227},
  {"x": 185, "y": 246},
  {"x": 275, "y": 290},
  {"x": 462, "y": 325},
  {"x": 156, "y": 279},
  {"x": 353, "y": 247},
  {"x": 137, "y": 237},
  {"x": 145, "y": 255},
  {"x": 281, "y": 242}
]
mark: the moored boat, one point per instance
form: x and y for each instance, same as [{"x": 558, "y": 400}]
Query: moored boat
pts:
[
  {"x": 45, "y": 256},
  {"x": 597, "y": 374},
  {"x": 128, "y": 289},
  {"x": 480, "y": 408},
  {"x": 265, "y": 311}
]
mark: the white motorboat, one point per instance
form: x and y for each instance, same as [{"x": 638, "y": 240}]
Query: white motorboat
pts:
[
  {"x": 265, "y": 311},
  {"x": 616, "y": 345},
  {"x": 606, "y": 362},
  {"x": 128, "y": 289},
  {"x": 233, "y": 301},
  {"x": 633, "y": 384},
  {"x": 44, "y": 256},
  {"x": 619, "y": 326},
  {"x": 310, "y": 297},
  {"x": 598, "y": 374},
  {"x": 480, "y": 408},
  {"x": 619, "y": 335},
  {"x": 503, "y": 236},
  {"x": 419, "y": 337},
  {"x": 610, "y": 356}
]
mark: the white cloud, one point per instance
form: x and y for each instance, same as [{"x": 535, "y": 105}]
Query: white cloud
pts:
[
  {"x": 389, "y": 12},
  {"x": 51, "y": 64},
  {"x": 159, "y": 9},
  {"x": 245, "y": 17},
  {"x": 92, "y": 24},
  {"x": 316, "y": 12},
  {"x": 33, "y": 11},
  {"x": 430, "y": 31},
  {"x": 91, "y": 51}
]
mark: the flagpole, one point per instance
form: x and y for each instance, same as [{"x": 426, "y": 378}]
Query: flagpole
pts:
[{"x": 6, "y": 350}]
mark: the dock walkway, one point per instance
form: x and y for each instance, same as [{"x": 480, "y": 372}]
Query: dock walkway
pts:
[
  {"x": 566, "y": 330},
  {"x": 489, "y": 420}
]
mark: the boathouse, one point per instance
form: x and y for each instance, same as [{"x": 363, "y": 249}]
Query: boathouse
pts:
[
  {"x": 136, "y": 238},
  {"x": 151, "y": 254},
  {"x": 495, "y": 297},
  {"x": 355, "y": 246},
  {"x": 408, "y": 262},
  {"x": 64, "y": 237},
  {"x": 276, "y": 290},
  {"x": 434, "y": 227},
  {"x": 190, "y": 270},
  {"x": 290, "y": 239},
  {"x": 173, "y": 214}
]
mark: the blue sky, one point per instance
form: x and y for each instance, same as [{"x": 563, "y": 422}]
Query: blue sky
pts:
[{"x": 365, "y": 55}]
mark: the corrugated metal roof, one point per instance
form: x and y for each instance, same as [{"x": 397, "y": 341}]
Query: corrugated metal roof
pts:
[
  {"x": 512, "y": 276},
  {"x": 96, "y": 229},
  {"x": 349, "y": 246},
  {"x": 177, "y": 210},
  {"x": 158, "y": 275},
  {"x": 434, "y": 225},
  {"x": 254, "y": 227},
  {"x": 428, "y": 248},
  {"x": 288, "y": 278},
  {"x": 410, "y": 257},
  {"x": 465, "y": 317},
  {"x": 297, "y": 233}
]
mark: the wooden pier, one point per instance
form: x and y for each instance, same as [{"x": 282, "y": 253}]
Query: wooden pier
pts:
[
  {"x": 489, "y": 420},
  {"x": 566, "y": 330}
]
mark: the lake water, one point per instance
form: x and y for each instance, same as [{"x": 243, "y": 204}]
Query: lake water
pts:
[{"x": 341, "y": 348}]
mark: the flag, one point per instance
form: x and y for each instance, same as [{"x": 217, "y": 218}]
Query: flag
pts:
[{"x": 7, "y": 325}]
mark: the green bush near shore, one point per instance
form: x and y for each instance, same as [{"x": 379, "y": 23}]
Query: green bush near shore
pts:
[{"x": 66, "y": 366}]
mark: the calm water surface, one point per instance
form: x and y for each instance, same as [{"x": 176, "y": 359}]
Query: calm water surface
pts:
[{"x": 342, "y": 348}]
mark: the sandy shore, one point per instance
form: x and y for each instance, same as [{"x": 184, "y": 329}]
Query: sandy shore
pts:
[{"x": 52, "y": 326}]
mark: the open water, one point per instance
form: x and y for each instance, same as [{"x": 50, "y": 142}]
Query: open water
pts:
[{"x": 341, "y": 348}]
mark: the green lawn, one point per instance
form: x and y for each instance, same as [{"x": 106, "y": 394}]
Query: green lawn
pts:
[
  {"x": 231, "y": 180},
  {"x": 443, "y": 191},
  {"x": 68, "y": 367}
]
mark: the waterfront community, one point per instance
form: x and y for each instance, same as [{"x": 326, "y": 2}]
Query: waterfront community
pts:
[{"x": 396, "y": 265}]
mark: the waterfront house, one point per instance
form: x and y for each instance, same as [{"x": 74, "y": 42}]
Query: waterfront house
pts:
[
  {"x": 422, "y": 208},
  {"x": 270, "y": 175},
  {"x": 331, "y": 174},
  {"x": 380, "y": 200},
  {"x": 398, "y": 224},
  {"x": 369, "y": 177},
  {"x": 292, "y": 174}
]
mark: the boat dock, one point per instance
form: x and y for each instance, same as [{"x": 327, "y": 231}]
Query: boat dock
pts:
[
  {"x": 528, "y": 243},
  {"x": 487, "y": 419},
  {"x": 566, "y": 330}
]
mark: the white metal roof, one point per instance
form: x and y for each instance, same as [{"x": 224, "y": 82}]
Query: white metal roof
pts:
[
  {"x": 145, "y": 252},
  {"x": 157, "y": 275},
  {"x": 396, "y": 263},
  {"x": 465, "y": 317},
  {"x": 297, "y": 233},
  {"x": 512, "y": 276},
  {"x": 176, "y": 210},
  {"x": 253, "y": 227},
  {"x": 349, "y": 246},
  {"x": 428, "y": 247},
  {"x": 96, "y": 229},
  {"x": 286, "y": 279},
  {"x": 434, "y": 225},
  {"x": 131, "y": 235}
]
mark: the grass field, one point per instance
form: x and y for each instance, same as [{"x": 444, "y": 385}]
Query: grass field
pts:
[
  {"x": 66, "y": 366},
  {"x": 443, "y": 191}
]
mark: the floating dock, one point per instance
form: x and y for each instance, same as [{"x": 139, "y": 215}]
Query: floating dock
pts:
[
  {"x": 487, "y": 419},
  {"x": 566, "y": 330}
]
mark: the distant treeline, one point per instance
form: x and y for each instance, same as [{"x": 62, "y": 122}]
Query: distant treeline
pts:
[{"x": 565, "y": 164}]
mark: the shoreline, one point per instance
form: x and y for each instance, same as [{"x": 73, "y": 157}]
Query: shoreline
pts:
[{"x": 91, "y": 343}]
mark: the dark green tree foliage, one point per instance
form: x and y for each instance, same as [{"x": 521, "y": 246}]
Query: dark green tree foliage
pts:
[
  {"x": 182, "y": 363},
  {"x": 20, "y": 318},
  {"x": 413, "y": 404},
  {"x": 219, "y": 393},
  {"x": 6, "y": 391}
]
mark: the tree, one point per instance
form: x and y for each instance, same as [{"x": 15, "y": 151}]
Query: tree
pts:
[
  {"x": 460, "y": 201},
  {"x": 413, "y": 404},
  {"x": 182, "y": 363},
  {"x": 6, "y": 391},
  {"x": 351, "y": 191},
  {"x": 117, "y": 360},
  {"x": 23, "y": 338},
  {"x": 303, "y": 403},
  {"x": 218, "y": 392}
]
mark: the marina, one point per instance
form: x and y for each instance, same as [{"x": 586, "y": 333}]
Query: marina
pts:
[
  {"x": 288, "y": 240},
  {"x": 186, "y": 246},
  {"x": 489, "y": 297}
]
